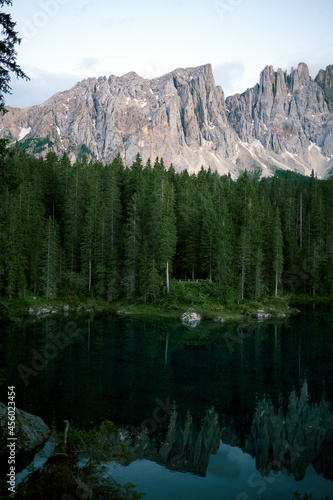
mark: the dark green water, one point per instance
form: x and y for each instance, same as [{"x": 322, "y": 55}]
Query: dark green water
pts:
[{"x": 217, "y": 411}]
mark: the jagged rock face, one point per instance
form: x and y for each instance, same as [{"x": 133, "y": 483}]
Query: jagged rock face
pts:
[
  {"x": 325, "y": 80},
  {"x": 286, "y": 114},
  {"x": 180, "y": 117},
  {"x": 285, "y": 121}
]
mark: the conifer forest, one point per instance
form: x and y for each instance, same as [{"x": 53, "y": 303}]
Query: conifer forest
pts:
[{"x": 88, "y": 229}]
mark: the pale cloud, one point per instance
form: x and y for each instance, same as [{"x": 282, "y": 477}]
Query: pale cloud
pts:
[
  {"x": 113, "y": 21},
  {"x": 230, "y": 76},
  {"x": 87, "y": 63},
  {"x": 41, "y": 86}
]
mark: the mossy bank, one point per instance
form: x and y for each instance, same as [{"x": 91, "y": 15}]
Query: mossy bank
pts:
[{"x": 201, "y": 297}]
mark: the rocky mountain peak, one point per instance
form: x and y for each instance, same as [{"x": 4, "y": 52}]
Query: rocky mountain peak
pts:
[
  {"x": 325, "y": 80},
  {"x": 302, "y": 73},
  {"x": 285, "y": 121},
  {"x": 277, "y": 83},
  {"x": 288, "y": 116}
]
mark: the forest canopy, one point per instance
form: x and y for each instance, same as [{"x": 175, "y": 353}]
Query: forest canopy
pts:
[{"x": 111, "y": 231}]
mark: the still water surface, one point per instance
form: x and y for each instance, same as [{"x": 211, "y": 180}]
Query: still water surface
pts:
[{"x": 217, "y": 411}]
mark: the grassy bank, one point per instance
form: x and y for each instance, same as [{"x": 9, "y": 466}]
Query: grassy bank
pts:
[
  {"x": 202, "y": 297},
  {"x": 303, "y": 298}
]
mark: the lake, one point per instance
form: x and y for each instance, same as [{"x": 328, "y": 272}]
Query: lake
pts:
[{"x": 220, "y": 411}]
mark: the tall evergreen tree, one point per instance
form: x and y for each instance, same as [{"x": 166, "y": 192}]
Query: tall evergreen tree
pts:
[
  {"x": 277, "y": 249},
  {"x": 73, "y": 216},
  {"x": 14, "y": 258},
  {"x": 133, "y": 244},
  {"x": 289, "y": 222},
  {"x": 92, "y": 215},
  {"x": 208, "y": 246},
  {"x": 224, "y": 273},
  {"x": 8, "y": 55},
  {"x": 244, "y": 258},
  {"x": 110, "y": 228},
  {"x": 51, "y": 260},
  {"x": 188, "y": 227},
  {"x": 163, "y": 222}
]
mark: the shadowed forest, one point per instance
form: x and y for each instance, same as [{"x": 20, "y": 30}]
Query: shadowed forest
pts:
[{"x": 133, "y": 232}]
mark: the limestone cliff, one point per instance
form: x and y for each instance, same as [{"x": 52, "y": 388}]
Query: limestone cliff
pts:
[
  {"x": 285, "y": 121},
  {"x": 325, "y": 80}
]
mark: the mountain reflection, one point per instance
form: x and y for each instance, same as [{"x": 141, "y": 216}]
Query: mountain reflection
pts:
[{"x": 292, "y": 440}]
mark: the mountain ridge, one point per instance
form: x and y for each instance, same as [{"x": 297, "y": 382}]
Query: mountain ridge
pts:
[{"x": 284, "y": 121}]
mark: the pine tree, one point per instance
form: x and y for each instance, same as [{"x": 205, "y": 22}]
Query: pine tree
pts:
[
  {"x": 32, "y": 219},
  {"x": 188, "y": 227},
  {"x": 255, "y": 223},
  {"x": 314, "y": 254},
  {"x": 73, "y": 216},
  {"x": 133, "y": 243},
  {"x": 153, "y": 282},
  {"x": 52, "y": 187},
  {"x": 328, "y": 267},
  {"x": 51, "y": 260},
  {"x": 249, "y": 238},
  {"x": 89, "y": 236},
  {"x": 224, "y": 273},
  {"x": 300, "y": 213},
  {"x": 13, "y": 256},
  {"x": 163, "y": 222},
  {"x": 244, "y": 260},
  {"x": 8, "y": 64},
  {"x": 277, "y": 248},
  {"x": 110, "y": 229},
  {"x": 208, "y": 236},
  {"x": 289, "y": 223}
]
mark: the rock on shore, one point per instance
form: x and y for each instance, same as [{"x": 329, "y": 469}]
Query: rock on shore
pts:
[{"x": 30, "y": 430}]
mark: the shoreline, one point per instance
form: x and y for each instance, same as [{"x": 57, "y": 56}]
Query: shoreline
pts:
[{"x": 40, "y": 307}]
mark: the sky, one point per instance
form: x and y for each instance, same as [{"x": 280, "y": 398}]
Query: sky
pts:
[{"x": 66, "y": 41}]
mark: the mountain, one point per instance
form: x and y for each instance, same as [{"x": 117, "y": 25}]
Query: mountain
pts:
[
  {"x": 285, "y": 121},
  {"x": 325, "y": 80}
]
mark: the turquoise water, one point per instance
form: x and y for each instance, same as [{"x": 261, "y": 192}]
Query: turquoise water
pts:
[{"x": 217, "y": 411}]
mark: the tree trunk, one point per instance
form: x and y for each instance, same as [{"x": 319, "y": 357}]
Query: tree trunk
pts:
[
  {"x": 89, "y": 275},
  {"x": 66, "y": 434},
  {"x": 243, "y": 281},
  {"x": 301, "y": 224},
  {"x": 167, "y": 278}
]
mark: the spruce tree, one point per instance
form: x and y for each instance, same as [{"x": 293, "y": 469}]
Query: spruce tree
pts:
[
  {"x": 188, "y": 230},
  {"x": 277, "y": 249},
  {"x": 224, "y": 273},
  {"x": 51, "y": 260},
  {"x": 163, "y": 222},
  {"x": 133, "y": 243},
  {"x": 244, "y": 258},
  {"x": 73, "y": 216},
  {"x": 8, "y": 55},
  {"x": 109, "y": 239},
  {"x": 92, "y": 215},
  {"x": 208, "y": 246}
]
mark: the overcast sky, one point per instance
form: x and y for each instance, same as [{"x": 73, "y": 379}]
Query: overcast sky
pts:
[{"x": 65, "y": 41}]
